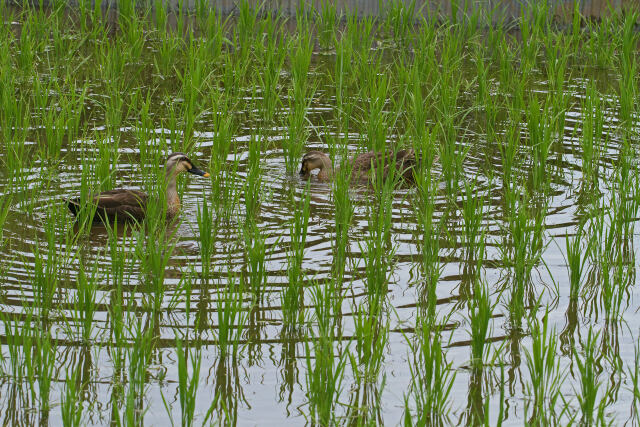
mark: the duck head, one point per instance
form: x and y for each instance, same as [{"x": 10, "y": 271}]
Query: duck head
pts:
[
  {"x": 316, "y": 160},
  {"x": 179, "y": 162}
]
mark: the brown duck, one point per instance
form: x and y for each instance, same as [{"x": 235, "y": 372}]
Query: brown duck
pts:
[
  {"x": 130, "y": 205},
  {"x": 362, "y": 166}
]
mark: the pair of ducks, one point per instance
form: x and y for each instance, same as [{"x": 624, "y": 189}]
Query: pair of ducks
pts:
[{"x": 130, "y": 205}]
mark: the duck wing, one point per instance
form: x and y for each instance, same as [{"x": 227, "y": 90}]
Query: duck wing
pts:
[
  {"x": 123, "y": 204},
  {"x": 364, "y": 163},
  {"x": 404, "y": 162}
]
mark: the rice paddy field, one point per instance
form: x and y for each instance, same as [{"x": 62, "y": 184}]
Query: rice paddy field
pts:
[{"x": 500, "y": 289}]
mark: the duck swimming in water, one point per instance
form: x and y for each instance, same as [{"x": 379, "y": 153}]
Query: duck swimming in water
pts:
[
  {"x": 130, "y": 205},
  {"x": 362, "y": 166}
]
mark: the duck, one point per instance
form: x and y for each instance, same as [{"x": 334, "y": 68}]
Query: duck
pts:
[
  {"x": 130, "y": 205},
  {"x": 363, "y": 165}
]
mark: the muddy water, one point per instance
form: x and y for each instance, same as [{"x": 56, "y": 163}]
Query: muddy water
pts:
[{"x": 266, "y": 381}]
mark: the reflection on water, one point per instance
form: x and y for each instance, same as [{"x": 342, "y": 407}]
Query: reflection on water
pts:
[
  {"x": 114, "y": 343},
  {"x": 270, "y": 360}
]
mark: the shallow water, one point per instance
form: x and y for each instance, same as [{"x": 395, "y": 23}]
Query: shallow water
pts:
[{"x": 265, "y": 383}]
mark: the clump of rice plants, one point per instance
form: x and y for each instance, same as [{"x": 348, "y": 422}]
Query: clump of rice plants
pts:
[{"x": 497, "y": 288}]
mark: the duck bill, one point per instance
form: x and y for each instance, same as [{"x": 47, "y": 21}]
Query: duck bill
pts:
[{"x": 199, "y": 172}]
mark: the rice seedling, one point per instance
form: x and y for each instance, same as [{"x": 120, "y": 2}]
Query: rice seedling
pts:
[
  {"x": 624, "y": 201},
  {"x": 524, "y": 252},
  {"x": 224, "y": 173},
  {"x": 541, "y": 140},
  {"x": 592, "y": 136},
  {"x": 228, "y": 393},
  {"x": 344, "y": 211},
  {"x": 360, "y": 30},
  {"x": 371, "y": 326},
  {"x": 449, "y": 86},
  {"x": 429, "y": 245},
  {"x": 253, "y": 184},
  {"x": 188, "y": 387},
  {"x": 326, "y": 21},
  {"x": 480, "y": 311},
  {"x": 299, "y": 100},
  {"x": 293, "y": 293},
  {"x": 475, "y": 412},
  {"x": 613, "y": 275},
  {"x": 26, "y": 57},
  {"x": 169, "y": 47},
  {"x": 273, "y": 54},
  {"x": 5, "y": 207},
  {"x": 376, "y": 121},
  {"x": 45, "y": 353},
  {"x": 153, "y": 252},
  {"x": 131, "y": 23},
  {"x": 371, "y": 321},
  {"x": 117, "y": 278},
  {"x": 232, "y": 318},
  {"x": 589, "y": 382},
  {"x": 18, "y": 363},
  {"x": 86, "y": 300},
  {"x": 432, "y": 378},
  {"x": 325, "y": 371},
  {"x": 71, "y": 407},
  {"x": 576, "y": 255},
  {"x": 46, "y": 275},
  {"x": 207, "y": 230},
  {"x": 534, "y": 22},
  {"x": 484, "y": 99},
  {"x": 474, "y": 238},
  {"x": 342, "y": 77},
  {"x": 193, "y": 80},
  {"x": 544, "y": 388},
  {"x": 255, "y": 255},
  {"x": 399, "y": 18},
  {"x": 378, "y": 248},
  {"x": 628, "y": 69},
  {"x": 557, "y": 49},
  {"x": 227, "y": 188},
  {"x": 246, "y": 26},
  {"x": 139, "y": 355}
]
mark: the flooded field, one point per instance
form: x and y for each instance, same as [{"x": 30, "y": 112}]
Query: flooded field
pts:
[{"x": 499, "y": 289}]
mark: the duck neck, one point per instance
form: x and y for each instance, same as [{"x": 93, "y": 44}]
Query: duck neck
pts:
[
  {"x": 173, "y": 201},
  {"x": 326, "y": 171}
]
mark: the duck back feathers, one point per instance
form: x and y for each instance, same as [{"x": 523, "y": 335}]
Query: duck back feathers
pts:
[
  {"x": 403, "y": 161},
  {"x": 125, "y": 205}
]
